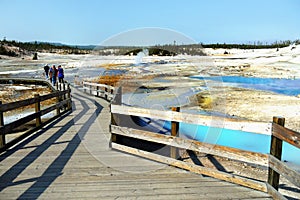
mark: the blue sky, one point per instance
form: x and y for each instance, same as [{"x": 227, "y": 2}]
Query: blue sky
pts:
[{"x": 83, "y": 22}]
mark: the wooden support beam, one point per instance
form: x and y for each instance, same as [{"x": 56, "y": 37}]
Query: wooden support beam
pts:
[
  {"x": 2, "y": 136},
  {"x": 38, "y": 120},
  {"x": 69, "y": 98},
  {"x": 114, "y": 117},
  {"x": 64, "y": 89},
  {"x": 106, "y": 93},
  {"x": 174, "y": 152},
  {"x": 113, "y": 137},
  {"x": 111, "y": 92},
  {"x": 118, "y": 97},
  {"x": 58, "y": 108},
  {"x": 276, "y": 151},
  {"x": 97, "y": 88}
]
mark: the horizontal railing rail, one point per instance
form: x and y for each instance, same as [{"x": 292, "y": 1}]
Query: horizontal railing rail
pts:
[
  {"x": 212, "y": 121},
  {"x": 285, "y": 134},
  {"x": 30, "y": 101}
]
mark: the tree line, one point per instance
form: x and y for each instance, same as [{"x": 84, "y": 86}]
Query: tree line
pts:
[
  {"x": 254, "y": 45},
  {"x": 189, "y": 49}
]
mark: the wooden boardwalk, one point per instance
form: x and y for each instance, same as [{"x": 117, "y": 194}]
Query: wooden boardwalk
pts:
[{"x": 71, "y": 159}]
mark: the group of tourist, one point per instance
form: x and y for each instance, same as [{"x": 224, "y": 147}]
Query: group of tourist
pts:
[{"x": 53, "y": 73}]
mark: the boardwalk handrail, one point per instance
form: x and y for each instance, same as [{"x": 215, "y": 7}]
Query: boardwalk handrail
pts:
[
  {"x": 175, "y": 142},
  {"x": 204, "y": 120},
  {"x": 99, "y": 90},
  {"x": 274, "y": 129},
  {"x": 63, "y": 101}
]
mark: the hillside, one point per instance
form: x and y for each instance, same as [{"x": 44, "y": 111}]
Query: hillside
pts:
[{"x": 20, "y": 49}]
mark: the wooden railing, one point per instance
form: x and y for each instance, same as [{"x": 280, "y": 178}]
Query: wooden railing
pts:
[
  {"x": 99, "y": 90},
  {"x": 276, "y": 166},
  {"x": 120, "y": 127},
  {"x": 62, "y": 102}
]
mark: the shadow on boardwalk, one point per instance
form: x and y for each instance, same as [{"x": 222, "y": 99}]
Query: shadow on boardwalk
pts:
[{"x": 55, "y": 169}]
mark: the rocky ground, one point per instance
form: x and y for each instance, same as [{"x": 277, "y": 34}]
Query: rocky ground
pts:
[{"x": 256, "y": 105}]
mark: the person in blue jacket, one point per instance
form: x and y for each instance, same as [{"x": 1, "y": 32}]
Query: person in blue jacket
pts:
[{"x": 60, "y": 74}]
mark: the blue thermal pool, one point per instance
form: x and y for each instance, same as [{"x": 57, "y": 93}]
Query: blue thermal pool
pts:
[{"x": 280, "y": 86}]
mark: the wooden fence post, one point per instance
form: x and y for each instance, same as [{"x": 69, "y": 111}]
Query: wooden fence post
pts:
[
  {"x": 97, "y": 88},
  {"x": 69, "y": 98},
  {"x": 275, "y": 150},
  {"x": 118, "y": 96},
  {"x": 106, "y": 93},
  {"x": 111, "y": 92},
  {"x": 114, "y": 117},
  {"x": 38, "y": 120},
  {"x": 64, "y": 95},
  {"x": 113, "y": 137},
  {"x": 91, "y": 90},
  {"x": 174, "y": 152},
  {"x": 2, "y": 136},
  {"x": 57, "y": 101}
]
